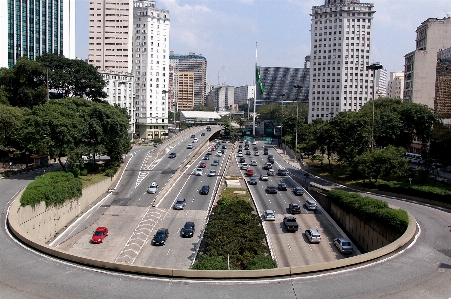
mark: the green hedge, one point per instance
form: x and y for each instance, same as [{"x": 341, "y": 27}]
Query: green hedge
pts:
[
  {"x": 236, "y": 231},
  {"x": 369, "y": 210},
  {"x": 54, "y": 188}
]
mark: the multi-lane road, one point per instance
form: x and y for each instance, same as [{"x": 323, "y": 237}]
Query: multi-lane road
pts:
[{"x": 421, "y": 271}]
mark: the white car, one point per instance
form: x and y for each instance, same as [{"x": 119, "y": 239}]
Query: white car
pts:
[
  {"x": 195, "y": 140},
  {"x": 254, "y": 142},
  {"x": 264, "y": 177},
  {"x": 244, "y": 166},
  {"x": 270, "y": 215},
  {"x": 219, "y": 154},
  {"x": 253, "y": 163},
  {"x": 152, "y": 189},
  {"x": 212, "y": 173},
  {"x": 198, "y": 171},
  {"x": 240, "y": 154},
  {"x": 190, "y": 146}
]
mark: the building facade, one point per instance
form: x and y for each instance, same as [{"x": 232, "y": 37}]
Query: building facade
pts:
[
  {"x": 340, "y": 52},
  {"x": 151, "y": 69},
  {"x": 244, "y": 94},
  {"x": 442, "y": 103},
  {"x": 223, "y": 97},
  {"x": 188, "y": 84},
  {"x": 381, "y": 83},
  {"x": 420, "y": 65},
  {"x": 33, "y": 27},
  {"x": 395, "y": 88}
]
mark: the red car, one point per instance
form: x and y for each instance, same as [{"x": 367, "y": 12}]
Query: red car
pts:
[
  {"x": 213, "y": 149},
  {"x": 100, "y": 234},
  {"x": 202, "y": 165},
  {"x": 250, "y": 172}
]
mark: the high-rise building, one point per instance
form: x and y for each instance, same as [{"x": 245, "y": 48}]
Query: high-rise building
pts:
[
  {"x": 244, "y": 94},
  {"x": 188, "y": 75},
  {"x": 442, "y": 104},
  {"x": 222, "y": 97},
  {"x": 151, "y": 69},
  {"x": 110, "y": 35},
  {"x": 33, "y": 27},
  {"x": 395, "y": 89},
  {"x": 420, "y": 65},
  {"x": 381, "y": 83},
  {"x": 340, "y": 53}
]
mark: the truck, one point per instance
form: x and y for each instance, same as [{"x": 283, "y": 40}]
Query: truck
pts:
[{"x": 290, "y": 223}]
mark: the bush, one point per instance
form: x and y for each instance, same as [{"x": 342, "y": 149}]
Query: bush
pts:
[
  {"x": 84, "y": 172},
  {"x": 370, "y": 210},
  {"x": 54, "y": 188}
]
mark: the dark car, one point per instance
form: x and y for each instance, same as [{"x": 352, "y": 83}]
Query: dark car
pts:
[
  {"x": 294, "y": 208},
  {"x": 242, "y": 160},
  {"x": 215, "y": 163},
  {"x": 253, "y": 181},
  {"x": 204, "y": 190},
  {"x": 180, "y": 204},
  {"x": 188, "y": 229},
  {"x": 224, "y": 146},
  {"x": 207, "y": 157},
  {"x": 248, "y": 153},
  {"x": 99, "y": 234},
  {"x": 282, "y": 172},
  {"x": 172, "y": 155},
  {"x": 271, "y": 160},
  {"x": 282, "y": 186},
  {"x": 202, "y": 165},
  {"x": 298, "y": 191},
  {"x": 160, "y": 237},
  {"x": 202, "y": 134},
  {"x": 272, "y": 189},
  {"x": 267, "y": 166}
]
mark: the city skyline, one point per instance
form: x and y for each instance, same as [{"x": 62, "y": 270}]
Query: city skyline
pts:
[{"x": 226, "y": 32}]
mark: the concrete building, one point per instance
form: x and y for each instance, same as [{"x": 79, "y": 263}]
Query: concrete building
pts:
[
  {"x": 110, "y": 35},
  {"x": 395, "y": 88},
  {"x": 244, "y": 94},
  {"x": 34, "y": 27},
  {"x": 420, "y": 65},
  {"x": 442, "y": 103},
  {"x": 223, "y": 97},
  {"x": 188, "y": 75},
  {"x": 151, "y": 69},
  {"x": 340, "y": 52},
  {"x": 381, "y": 83}
]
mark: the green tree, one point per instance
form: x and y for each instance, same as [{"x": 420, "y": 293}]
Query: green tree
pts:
[
  {"x": 10, "y": 124},
  {"x": 326, "y": 138}
]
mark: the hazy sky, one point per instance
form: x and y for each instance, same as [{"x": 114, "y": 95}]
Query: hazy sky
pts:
[{"x": 226, "y": 32}]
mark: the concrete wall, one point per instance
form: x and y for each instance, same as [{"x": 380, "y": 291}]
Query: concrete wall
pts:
[{"x": 41, "y": 223}]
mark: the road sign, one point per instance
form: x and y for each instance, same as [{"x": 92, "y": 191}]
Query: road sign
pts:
[
  {"x": 248, "y": 138},
  {"x": 267, "y": 139}
]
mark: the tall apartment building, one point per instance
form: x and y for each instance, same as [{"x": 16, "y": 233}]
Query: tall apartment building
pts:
[
  {"x": 151, "y": 69},
  {"x": 340, "y": 53},
  {"x": 188, "y": 75},
  {"x": 381, "y": 83},
  {"x": 110, "y": 35},
  {"x": 34, "y": 27},
  {"x": 420, "y": 65},
  {"x": 222, "y": 97},
  {"x": 244, "y": 94},
  {"x": 395, "y": 88},
  {"x": 442, "y": 104}
]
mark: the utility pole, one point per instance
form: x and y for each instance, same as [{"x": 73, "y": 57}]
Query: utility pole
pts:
[{"x": 375, "y": 66}]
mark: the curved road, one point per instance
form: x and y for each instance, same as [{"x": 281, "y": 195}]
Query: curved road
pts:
[{"x": 421, "y": 271}]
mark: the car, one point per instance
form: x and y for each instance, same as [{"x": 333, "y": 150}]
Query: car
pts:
[
  {"x": 282, "y": 186},
  {"x": 172, "y": 155},
  {"x": 160, "y": 237},
  {"x": 246, "y": 148},
  {"x": 240, "y": 146},
  {"x": 267, "y": 166},
  {"x": 240, "y": 154},
  {"x": 213, "y": 149},
  {"x": 208, "y": 153},
  {"x": 311, "y": 204},
  {"x": 290, "y": 223},
  {"x": 255, "y": 148},
  {"x": 202, "y": 164},
  {"x": 313, "y": 235},
  {"x": 152, "y": 188},
  {"x": 271, "y": 160},
  {"x": 215, "y": 163},
  {"x": 198, "y": 171},
  {"x": 254, "y": 142},
  {"x": 343, "y": 245},
  {"x": 248, "y": 153},
  {"x": 202, "y": 134},
  {"x": 270, "y": 156},
  {"x": 253, "y": 163},
  {"x": 294, "y": 208},
  {"x": 221, "y": 151},
  {"x": 270, "y": 215},
  {"x": 256, "y": 154},
  {"x": 193, "y": 136},
  {"x": 180, "y": 204},
  {"x": 242, "y": 160},
  {"x": 249, "y": 172},
  {"x": 264, "y": 177},
  {"x": 224, "y": 141},
  {"x": 195, "y": 140},
  {"x": 188, "y": 229},
  {"x": 204, "y": 190},
  {"x": 224, "y": 146},
  {"x": 253, "y": 181},
  {"x": 272, "y": 189},
  {"x": 244, "y": 166},
  {"x": 240, "y": 151},
  {"x": 271, "y": 172},
  {"x": 219, "y": 154},
  {"x": 282, "y": 172},
  {"x": 99, "y": 234},
  {"x": 212, "y": 173},
  {"x": 208, "y": 128},
  {"x": 298, "y": 191},
  {"x": 189, "y": 146}
]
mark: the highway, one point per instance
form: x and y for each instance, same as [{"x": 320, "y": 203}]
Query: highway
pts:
[{"x": 421, "y": 271}]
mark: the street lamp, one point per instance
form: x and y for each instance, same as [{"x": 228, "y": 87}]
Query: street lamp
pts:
[
  {"x": 375, "y": 66},
  {"x": 281, "y": 124},
  {"x": 299, "y": 88},
  {"x": 165, "y": 92}
]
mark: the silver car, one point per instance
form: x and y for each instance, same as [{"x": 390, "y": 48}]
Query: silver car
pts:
[
  {"x": 310, "y": 204},
  {"x": 313, "y": 235},
  {"x": 212, "y": 173},
  {"x": 198, "y": 171},
  {"x": 180, "y": 204},
  {"x": 253, "y": 163},
  {"x": 270, "y": 215},
  {"x": 152, "y": 189},
  {"x": 343, "y": 245},
  {"x": 264, "y": 177}
]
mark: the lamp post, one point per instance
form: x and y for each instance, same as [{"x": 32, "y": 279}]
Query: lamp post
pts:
[
  {"x": 299, "y": 88},
  {"x": 375, "y": 66},
  {"x": 281, "y": 124},
  {"x": 165, "y": 92}
]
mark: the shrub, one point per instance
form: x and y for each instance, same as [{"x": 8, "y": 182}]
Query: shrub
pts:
[{"x": 84, "y": 172}]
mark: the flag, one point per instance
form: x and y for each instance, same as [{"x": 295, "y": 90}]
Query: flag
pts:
[{"x": 259, "y": 81}]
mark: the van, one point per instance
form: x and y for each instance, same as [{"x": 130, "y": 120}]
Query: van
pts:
[{"x": 310, "y": 204}]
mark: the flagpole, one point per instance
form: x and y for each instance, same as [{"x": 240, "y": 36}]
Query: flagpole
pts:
[{"x": 255, "y": 92}]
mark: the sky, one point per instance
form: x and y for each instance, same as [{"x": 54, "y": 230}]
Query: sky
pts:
[{"x": 233, "y": 34}]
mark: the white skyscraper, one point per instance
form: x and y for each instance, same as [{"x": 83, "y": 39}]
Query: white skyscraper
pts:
[
  {"x": 381, "y": 83},
  {"x": 341, "y": 50},
  {"x": 395, "y": 89},
  {"x": 151, "y": 69}
]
